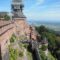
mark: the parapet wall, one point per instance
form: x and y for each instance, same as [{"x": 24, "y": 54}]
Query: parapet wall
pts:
[{"x": 6, "y": 30}]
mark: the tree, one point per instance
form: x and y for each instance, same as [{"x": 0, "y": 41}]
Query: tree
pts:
[
  {"x": 58, "y": 42},
  {"x": 53, "y": 40},
  {"x": 43, "y": 56},
  {"x": 6, "y": 17},
  {"x": 41, "y": 29},
  {"x": 1, "y": 17},
  {"x": 44, "y": 47},
  {"x": 45, "y": 32},
  {"x": 58, "y": 54}
]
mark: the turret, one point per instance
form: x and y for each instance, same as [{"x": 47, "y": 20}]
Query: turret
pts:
[{"x": 17, "y": 8}]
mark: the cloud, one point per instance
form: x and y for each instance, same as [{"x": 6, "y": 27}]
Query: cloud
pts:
[{"x": 44, "y": 12}]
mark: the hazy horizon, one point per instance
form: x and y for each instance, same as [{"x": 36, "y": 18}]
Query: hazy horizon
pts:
[
  {"x": 51, "y": 25},
  {"x": 43, "y": 21}
]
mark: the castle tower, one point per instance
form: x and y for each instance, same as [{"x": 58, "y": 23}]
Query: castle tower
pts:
[
  {"x": 18, "y": 16},
  {"x": 17, "y": 9}
]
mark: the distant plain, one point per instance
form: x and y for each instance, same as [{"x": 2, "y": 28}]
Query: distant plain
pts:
[{"x": 51, "y": 25}]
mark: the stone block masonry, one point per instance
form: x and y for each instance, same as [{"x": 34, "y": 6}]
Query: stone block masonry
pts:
[{"x": 7, "y": 28}]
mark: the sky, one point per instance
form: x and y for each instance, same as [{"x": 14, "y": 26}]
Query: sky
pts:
[{"x": 41, "y": 10}]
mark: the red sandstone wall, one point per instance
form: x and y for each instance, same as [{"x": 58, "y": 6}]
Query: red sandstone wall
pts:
[
  {"x": 19, "y": 26},
  {"x": 24, "y": 29},
  {"x": 5, "y": 33}
]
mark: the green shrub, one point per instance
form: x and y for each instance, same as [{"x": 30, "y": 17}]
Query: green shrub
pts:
[
  {"x": 13, "y": 38},
  {"x": 13, "y": 53},
  {"x": 20, "y": 54},
  {"x": 25, "y": 45},
  {"x": 6, "y": 17},
  {"x": 44, "y": 47},
  {"x": 50, "y": 56},
  {"x": 43, "y": 56}
]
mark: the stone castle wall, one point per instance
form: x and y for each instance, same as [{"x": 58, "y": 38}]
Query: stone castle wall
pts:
[{"x": 7, "y": 28}]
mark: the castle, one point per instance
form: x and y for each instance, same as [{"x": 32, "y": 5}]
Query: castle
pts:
[{"x": 18, "y": 26}]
